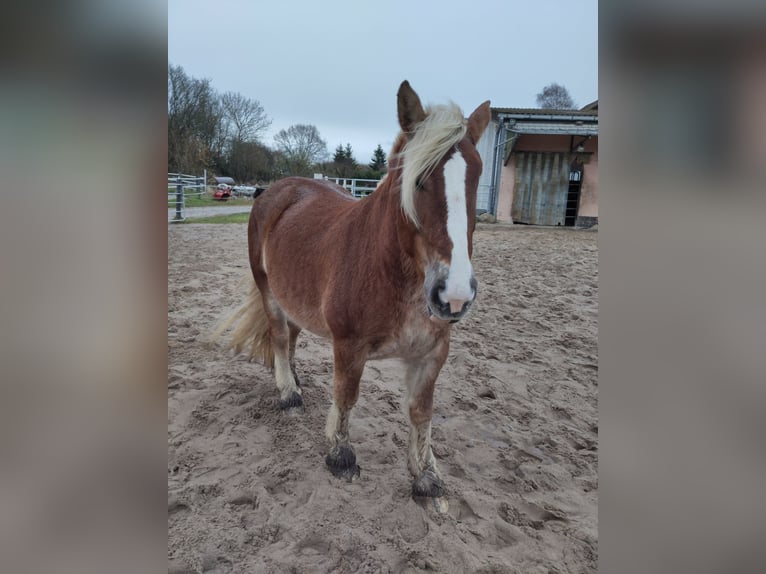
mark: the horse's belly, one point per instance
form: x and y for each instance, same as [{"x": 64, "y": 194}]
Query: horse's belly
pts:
[
  {"x": 302, "y": 312},
  {"x": 294, "y": 269}
]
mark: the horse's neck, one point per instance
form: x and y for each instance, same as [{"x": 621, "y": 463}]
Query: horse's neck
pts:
[{"x": 387, "y": 231}]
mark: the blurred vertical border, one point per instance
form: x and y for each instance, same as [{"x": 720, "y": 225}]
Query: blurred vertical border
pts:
[
  {"x": 83, "y": 284},
  {"x": 682, "y": 246}
]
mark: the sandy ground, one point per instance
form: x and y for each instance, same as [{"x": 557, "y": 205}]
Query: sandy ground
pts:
[{"x": 515, "y": 428}]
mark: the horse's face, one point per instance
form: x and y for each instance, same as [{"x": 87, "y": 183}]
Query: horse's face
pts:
[
  {"x": 446, "y": 206},
  {"x": 439, "y": 182}
]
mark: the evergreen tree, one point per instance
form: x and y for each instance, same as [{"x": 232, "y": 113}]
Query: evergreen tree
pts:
[
  {"x": 340, "y": 154},
  {"x": 378, "y": 162},
  {"x": 343, "y": 162},
  {"x": 350, "y": 156}
]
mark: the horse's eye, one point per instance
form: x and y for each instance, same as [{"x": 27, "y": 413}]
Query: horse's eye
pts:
[{"x": 418, "y": 184}]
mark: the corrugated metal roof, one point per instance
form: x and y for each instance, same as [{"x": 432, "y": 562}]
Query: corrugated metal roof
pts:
[
  {"x": 554, "y": 128},
  {"x": 546, "y": 112}
]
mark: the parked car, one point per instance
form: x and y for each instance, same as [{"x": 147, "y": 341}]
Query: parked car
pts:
[
  {"x": 248, "y": 190},
  {"x": 223, "y": 192},
  {"x": 243, "y": 190}
]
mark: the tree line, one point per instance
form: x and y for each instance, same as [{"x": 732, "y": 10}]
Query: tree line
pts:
[{"x": 224, "y": 133}]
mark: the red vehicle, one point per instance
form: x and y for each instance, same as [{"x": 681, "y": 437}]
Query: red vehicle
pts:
[{"x": 223, "y": 192}]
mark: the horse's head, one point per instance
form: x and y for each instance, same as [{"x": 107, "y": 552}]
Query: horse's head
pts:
[{"x": 440, "y": 175}]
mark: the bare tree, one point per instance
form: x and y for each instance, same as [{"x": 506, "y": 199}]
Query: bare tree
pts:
[
  {"x": 250, "y": 162},
  {"x": 219, "y": 131},
  {"x": 301, "y": 146},
  {"x": 246, "y": 118},
  {"x": 556, "y": 97},
  {"x": 194, "y": 120}
]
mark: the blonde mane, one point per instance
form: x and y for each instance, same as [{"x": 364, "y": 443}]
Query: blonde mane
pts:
[{"x": 443, "y": 127}]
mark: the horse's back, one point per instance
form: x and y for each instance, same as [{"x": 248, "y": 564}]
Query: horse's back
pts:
[
  {"x": 297, "y": 192},
  {"x": 304, "y": 202}
]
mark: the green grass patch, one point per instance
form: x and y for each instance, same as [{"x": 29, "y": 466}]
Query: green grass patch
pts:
[
  {"x": 227, "y": 218},
  {"x": 207, "y": 201}
]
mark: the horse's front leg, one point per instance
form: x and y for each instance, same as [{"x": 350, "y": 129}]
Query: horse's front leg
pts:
[
  {"x": 349, "y": 364},
  {"x": 420, "y": 381}
]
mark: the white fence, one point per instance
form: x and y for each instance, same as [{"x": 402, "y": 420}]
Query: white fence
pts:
[
  {"x": 357, "y": 187},
  {"x": 182, "y": 186}
]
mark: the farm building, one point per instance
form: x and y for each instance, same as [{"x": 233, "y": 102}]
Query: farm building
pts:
[{"x": 541, "y": 166}]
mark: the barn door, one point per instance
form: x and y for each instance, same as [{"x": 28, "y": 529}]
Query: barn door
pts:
[
  {"x": 573, "y": 195},
  {"x": 540, "y": 191}
]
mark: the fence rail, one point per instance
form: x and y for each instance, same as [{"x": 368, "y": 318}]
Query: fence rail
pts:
[
  {"x": 357, "y": 187},
  {"x": 180, "y": 184}
]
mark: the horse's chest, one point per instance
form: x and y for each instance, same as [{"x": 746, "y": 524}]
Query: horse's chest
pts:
[{"x": 413, "y": 340}]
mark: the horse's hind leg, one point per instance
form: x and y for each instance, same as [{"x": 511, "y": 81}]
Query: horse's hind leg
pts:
[
  {"x": 283, "y": 344},
  {"x": 349, "y": 364},
  {"x": 294, "y": 332},
  {"x": 280, "y": 335},
  {"x": 420, "y": 381}
]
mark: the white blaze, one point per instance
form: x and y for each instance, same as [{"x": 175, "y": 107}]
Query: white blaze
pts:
[{"x": 460, "y": 272}]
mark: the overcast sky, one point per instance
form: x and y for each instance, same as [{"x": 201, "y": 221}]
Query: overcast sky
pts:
[{"x": 338, "y": 64}]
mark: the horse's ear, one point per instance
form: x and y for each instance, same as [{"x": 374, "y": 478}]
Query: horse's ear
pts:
[
  {"x": 478, "y": 121},
  {"x": 410, "y": 110}
]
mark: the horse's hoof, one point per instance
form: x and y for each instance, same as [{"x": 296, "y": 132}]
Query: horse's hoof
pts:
[
  {"x": 428, "y": 484},
  {"x": 292, "y": 402},
  {"x": 349, "y": 474},
  {"x": 342, "y": 463}
]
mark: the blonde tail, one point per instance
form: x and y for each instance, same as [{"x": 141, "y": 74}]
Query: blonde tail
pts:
[{"x": 251, "y": 328}]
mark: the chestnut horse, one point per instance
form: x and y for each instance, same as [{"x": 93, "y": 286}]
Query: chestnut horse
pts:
[{"x": 382, "y": 277}]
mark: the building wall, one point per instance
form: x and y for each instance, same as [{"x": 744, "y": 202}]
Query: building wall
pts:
[
  {"x": 548, "y": 143},
  {"x": 505, "y": 195}
]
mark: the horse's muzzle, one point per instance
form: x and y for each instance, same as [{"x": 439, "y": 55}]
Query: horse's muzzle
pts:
[{"x": 451, "y": 311}]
